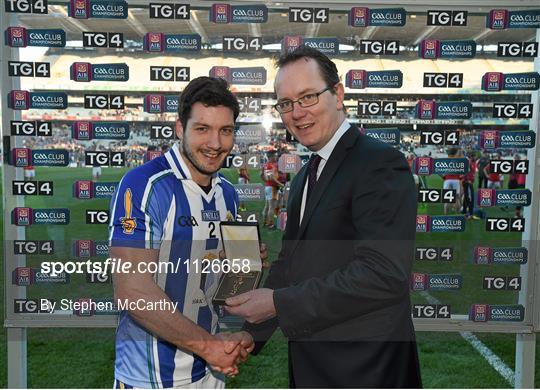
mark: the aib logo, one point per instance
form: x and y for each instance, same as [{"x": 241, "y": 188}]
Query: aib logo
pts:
[
  {"x": 489, "y": 139},
  {"x": 154, "y": 103},
  {"x": 83, "y": 248},
  {"x": 431, "y": 44},
  {"x": 17, "y": 36},
  {"x": 423, "y": 165},
  {"x": 291, "y": 43},
  {"x": 221, "y": 13},
  {"x": 357, "y": 79},
  {"x": 422, "y": 223},
  {"x": 81, "y": 71},
  {"x": 482, "y": 255},
  {"x": 486, "y": 197},
  {"x": 360, "y": 12},
  {"x": 154, "y": 38},
  {"x": 23, "y": 276},
  {"x": 154, "y": 42},
  {"x": 498, "y": 19},
  {"x": 83, "y": 131},
  {"x": 359, "y": 17},
  {"x": 492, "y": 81},
  {"x": 22, "y": 216},
  {"x": 427, "y": 109},
  {"x": 81, "y": 9},
  {"x": 84, "y": 189},
  {"x": 222, "y": 72},
  {"x": 294, "y": 41},
  {"x": 21, "y": 100},
  {"x": 22, "y": 157},
  {"x": 430, "y": 49},
  {"x": 479, "y": 312},
  {"x": 418, "y": 282}
]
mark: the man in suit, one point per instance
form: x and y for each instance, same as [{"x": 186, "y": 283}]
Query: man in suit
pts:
[{"x": 339, "y": 289}]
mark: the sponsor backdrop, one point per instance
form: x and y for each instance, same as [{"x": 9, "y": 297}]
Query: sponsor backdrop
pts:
[
  {"x": 102, "y": 87},
  {"x": 118, "y": 72}
]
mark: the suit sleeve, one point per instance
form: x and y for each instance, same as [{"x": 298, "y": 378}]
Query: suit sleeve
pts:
[
  {"x": 383, "y": 214},
  {"x": 276, "y": 279}
]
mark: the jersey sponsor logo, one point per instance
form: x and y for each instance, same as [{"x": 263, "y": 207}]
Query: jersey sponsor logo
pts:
[
  {"x": 187, "y": 221},
  {"x": 128, "y": 223},
  {"x": 210, "y": 215}
]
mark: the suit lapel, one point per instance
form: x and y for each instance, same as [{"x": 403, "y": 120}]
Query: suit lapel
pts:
[{"x": 336, "y": 158}]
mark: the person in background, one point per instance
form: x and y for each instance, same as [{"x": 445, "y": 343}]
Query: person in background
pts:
[
  {"x": 467, "y": 183},
  {"x": 494, "y": 180},
  {"x": 482, "y": 162},
  {"x": 29, "y": 173},
  {"x": 243, "y": 178},
  {"x": 270, "y": 175},
  {"x": 517, "y": 181},
  {"x": 452, "y": 182}
]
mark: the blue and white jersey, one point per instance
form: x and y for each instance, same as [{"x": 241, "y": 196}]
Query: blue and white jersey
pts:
[{"x": 159, "y": 206}]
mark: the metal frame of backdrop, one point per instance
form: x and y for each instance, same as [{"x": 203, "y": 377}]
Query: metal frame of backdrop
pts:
[{"x": 529, "y": 295}]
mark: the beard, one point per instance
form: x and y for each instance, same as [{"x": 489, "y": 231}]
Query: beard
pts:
[{"x": 188, "y": 153}]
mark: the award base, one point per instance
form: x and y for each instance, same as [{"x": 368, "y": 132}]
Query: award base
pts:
[{"x": 233, "y": 284}]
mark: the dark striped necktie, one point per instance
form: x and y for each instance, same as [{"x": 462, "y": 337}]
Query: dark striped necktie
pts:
[{"x": 314, "y": 162}]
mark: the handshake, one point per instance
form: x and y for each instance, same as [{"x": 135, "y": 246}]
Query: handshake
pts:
[{"x": 224, "y": 351}]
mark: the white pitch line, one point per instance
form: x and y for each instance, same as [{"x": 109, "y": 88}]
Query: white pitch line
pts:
[{"x": 493, "y": 360}]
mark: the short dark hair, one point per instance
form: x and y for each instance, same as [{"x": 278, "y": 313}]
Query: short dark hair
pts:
[
  {"x": 327, "y": 67},
  {"x": 210, "y": 91}
]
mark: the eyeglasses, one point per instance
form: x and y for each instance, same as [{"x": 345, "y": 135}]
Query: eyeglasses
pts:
[{"x": 304, "y": 101}]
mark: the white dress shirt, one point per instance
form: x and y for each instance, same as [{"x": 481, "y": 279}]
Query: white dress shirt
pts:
[{"x": 324, "y": 153}]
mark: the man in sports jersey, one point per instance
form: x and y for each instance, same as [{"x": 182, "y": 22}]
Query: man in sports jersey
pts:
[{"x": 167, "y": 212}]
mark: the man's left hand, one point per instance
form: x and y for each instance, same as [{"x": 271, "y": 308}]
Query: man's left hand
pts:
[{"x": 255, "y": 306}]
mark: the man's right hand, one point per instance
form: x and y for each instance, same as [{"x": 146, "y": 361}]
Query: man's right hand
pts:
[{"x": 225, "y": 351}]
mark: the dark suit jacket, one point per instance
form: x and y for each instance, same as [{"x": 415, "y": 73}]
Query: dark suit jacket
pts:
[{"x": 341, "y": 280}]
